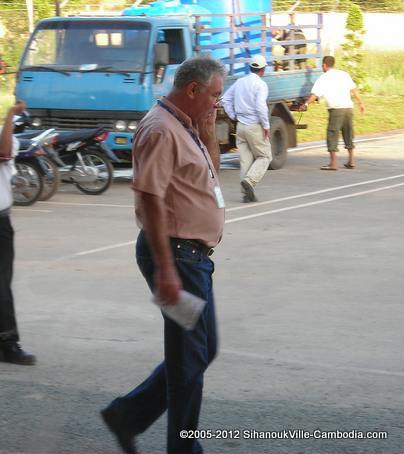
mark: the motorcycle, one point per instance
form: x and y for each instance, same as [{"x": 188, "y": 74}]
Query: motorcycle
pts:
[
  {"x": 28, "y": 181},
  {"x": 78, "y": 157},
  {"x": 81, "y": 159}
]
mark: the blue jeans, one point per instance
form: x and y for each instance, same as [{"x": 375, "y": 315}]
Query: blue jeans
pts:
[{"x": 176, "y": 384}]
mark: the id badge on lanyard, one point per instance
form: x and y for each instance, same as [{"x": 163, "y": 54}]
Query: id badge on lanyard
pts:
[{"x": 219, "y": 197}]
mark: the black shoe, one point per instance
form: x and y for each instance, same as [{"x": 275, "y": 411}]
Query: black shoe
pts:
[
  {"x": 248, "y": 191},
  {"x": 113, "y": 420},
  {"x": 13, "y": 353}
]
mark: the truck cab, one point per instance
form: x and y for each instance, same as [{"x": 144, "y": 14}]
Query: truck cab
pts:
[{"x": 90, "y": 72}]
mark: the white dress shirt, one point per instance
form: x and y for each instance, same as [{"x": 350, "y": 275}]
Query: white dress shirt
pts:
[
  {"x": 246, "y": 101},
  {"x": 7, "y": 170},
  {"x": 335, "y": 87}
]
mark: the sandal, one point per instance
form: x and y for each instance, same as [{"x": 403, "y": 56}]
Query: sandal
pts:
[
  {"x": 327, "y": 168},
  {"x": 349, "y": 166}
]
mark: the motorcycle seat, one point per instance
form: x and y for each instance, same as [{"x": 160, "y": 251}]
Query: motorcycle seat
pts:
[
  {"x": 65, "y": 137},
  {"x": 24, "y": 144}
]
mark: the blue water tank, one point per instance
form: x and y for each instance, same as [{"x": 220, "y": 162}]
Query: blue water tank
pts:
[
  {"x": 231, "y": 7},
  {"x": 162, "y": 8}
]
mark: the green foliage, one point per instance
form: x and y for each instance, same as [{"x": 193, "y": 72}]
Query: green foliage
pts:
[
  {"x": 354, "y": 20},
  {"x": 385, "y": 72},
  {"x": 16, "y": 31},
  {"x": 352, "y": 56},
  {"x": 14, "y": 17},
  {"x": 340, "y": 5},
  {"x": 382, "y": 64},
  {"x": 43, "y": 9}
]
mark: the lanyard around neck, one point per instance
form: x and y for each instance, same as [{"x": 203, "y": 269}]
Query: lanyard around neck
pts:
[{"x": 189, "y": 130}]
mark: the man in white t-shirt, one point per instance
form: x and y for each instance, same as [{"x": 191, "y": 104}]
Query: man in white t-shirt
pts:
[
  {"x": 10, "y": 349},
  {"x": 246, "y": 102},
  {"x": 336, "y": 87}
]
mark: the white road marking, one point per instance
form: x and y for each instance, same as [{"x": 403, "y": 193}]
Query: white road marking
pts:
[
  {"x": 307, "y": 194},
  {"x": 32, "y": 210},
  {"x": 309, "y": 204},
  {"x": 323, "y": 144},
  {"x": 108, "y": 205},
  {"x": 95, "y": 251},
  {"x": 311, "y": 364}
]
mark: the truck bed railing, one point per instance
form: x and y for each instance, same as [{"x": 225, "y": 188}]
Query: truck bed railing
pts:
[{"x": 235, "y": 38}]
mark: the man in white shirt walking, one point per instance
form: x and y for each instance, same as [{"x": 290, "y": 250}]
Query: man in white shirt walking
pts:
[
  {"x": 246, "y": 102},
  {"x": 336, "y": 87}
]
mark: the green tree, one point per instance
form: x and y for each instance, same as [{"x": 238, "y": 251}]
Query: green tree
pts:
[
  {"x": 14, "y": 20},
  {"x": 352, "y": 55}
]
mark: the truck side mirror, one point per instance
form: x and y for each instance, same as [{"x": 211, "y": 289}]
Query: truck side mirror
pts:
[{"x": 161, "y": 54}]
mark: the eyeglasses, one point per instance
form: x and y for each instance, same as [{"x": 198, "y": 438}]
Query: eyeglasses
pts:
[{"x": 218, "y": 97}]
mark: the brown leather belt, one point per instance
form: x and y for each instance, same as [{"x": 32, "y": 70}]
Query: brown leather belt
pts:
[{"x": 197, "y": 245}]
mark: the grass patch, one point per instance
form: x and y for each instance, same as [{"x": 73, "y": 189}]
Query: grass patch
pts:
[
  {"x": 381, "y": 65},
  {"x": 388, "y": 86},
  {"x": 385, "y": 72},
  {"x": 382, "y": 114}
]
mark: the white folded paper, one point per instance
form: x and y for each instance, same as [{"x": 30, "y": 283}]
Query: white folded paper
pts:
[{"x": 186, "y": 312}]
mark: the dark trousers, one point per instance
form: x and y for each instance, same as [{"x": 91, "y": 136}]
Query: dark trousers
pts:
[
  {"x": 176, "y": 384},
  {"x": 8, "y": 324},
  {"x": 340, "y": 120}
]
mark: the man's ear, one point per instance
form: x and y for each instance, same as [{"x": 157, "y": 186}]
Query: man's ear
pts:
[{"x": 192, "y": 89}]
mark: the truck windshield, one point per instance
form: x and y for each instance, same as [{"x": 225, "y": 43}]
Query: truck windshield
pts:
[{"x": 83, "y": 45}]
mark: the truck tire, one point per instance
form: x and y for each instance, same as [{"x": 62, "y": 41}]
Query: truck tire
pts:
[{"x": 279, "y": 143}]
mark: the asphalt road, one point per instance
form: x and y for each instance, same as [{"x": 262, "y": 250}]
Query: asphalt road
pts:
[{"x": 309, "y": 295}]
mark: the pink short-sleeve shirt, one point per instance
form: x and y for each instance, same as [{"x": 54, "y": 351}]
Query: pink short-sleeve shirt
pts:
[{"x": 168, "y": 163}]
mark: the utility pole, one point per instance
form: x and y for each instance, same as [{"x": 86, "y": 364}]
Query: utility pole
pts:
[
  {"x": 57, "y": 8},
  {"x": 333, "y": 41},
  {"x": 30, "y": 11}
]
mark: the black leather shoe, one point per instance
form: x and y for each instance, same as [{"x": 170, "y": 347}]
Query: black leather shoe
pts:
[
  {"x": 113, "y": 420},
  {"x": 13, "y": 353}
]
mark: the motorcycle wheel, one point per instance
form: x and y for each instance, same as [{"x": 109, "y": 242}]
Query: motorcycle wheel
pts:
[
  {"x": 51, "y": 179},
  {"x": 27, "y": 185},
  {"x": 103, "y": 181}
]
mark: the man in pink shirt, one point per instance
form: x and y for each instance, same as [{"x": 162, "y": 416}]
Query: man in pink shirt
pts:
[{"x": 180, "y": 209}]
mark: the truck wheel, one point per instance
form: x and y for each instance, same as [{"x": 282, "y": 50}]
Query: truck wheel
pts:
[{"x": 279, "y": 143}]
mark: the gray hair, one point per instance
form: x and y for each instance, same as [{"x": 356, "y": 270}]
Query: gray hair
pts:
[{"x": 198, "y": 69}]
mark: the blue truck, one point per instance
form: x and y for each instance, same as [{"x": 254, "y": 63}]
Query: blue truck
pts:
[{"x": 84, "y": 72}]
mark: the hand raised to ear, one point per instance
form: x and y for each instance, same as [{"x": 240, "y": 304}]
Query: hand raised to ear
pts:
[
  {"x": 206, "y": 128},
  {"x": 18, "y": 107},
  {"x": 207, "y": 133}
]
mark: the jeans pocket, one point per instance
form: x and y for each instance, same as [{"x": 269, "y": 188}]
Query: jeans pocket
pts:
[{"x": 186, "y": 253}]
